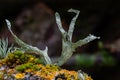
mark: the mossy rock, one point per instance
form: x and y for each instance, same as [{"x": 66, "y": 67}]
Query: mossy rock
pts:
[{"x": 20, "y": 66}]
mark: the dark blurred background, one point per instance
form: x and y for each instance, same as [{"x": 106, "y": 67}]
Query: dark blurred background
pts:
[{"x": 33, "y": 21}]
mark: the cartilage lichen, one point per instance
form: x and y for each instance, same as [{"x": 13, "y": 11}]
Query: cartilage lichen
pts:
[
  {"x": 50, "y": 69},
  {"x": 4, "y": 49},
  {"x": 68, "y": 47}
]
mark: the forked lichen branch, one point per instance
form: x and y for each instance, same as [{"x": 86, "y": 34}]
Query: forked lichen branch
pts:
[
  {"x": 43, "y": 53},
  {"x": 68, "y": 47}
]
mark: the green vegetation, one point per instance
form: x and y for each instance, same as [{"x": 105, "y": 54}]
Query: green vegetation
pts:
[
  {"x": 23, "y": 67},
  {"x": 18, "y": 58}
]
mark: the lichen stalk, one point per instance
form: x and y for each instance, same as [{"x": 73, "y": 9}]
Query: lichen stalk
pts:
[
  {"x": 29, "y": 48},
  {"x": 68, "y": 47}
]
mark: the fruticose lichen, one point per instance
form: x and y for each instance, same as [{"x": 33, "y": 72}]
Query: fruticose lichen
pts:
[
  {"x": 18, "y": 65},
  {"x": 4, "y": 50}
]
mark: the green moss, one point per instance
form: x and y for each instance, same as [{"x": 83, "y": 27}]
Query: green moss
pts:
[
  {"x": 23, "y": 67},
  {"x": 18, "y": 58}
]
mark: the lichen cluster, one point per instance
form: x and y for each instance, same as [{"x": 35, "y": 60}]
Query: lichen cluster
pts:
[{"x": 20, "y": 66}]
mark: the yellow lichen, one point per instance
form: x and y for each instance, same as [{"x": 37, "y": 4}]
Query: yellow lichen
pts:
[
  {"x": 31, "y": 58},
  {"x": 87, "y": 77},
  {"x": 48, "y": 72},
  {"x": 69, "y": 74},
  {"x": 28, "y": 70},
  {"x": 11, "y": 71},
  {"x": 33, "y": 66},
  {"x": 1, "y": 75},
  {"x": 19, "y": 75}
]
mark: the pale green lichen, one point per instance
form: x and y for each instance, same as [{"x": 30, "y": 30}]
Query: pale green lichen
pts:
[
  {"x": 68, "y": 47},
  {"x": 29, "y": 48},
  {"x": 4, "y": 49}
]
